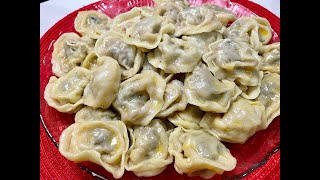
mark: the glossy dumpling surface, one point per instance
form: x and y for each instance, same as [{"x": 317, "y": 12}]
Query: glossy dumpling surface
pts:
[
  {"x": 188, "y": 118},
  {"x": 208, "y": 93},
  {"x": 197, "y": 19},
  {"x": 69, "y": 51},
  {"x": 128, "y": 56},
  {"x": 174, "y": 55},
  {"x": 194, "y": 156},
  {"x": 104, "y": 84},
  {"x": 233, "y": 60},
  {"x": 140, "y": 98},
  {"x": 270, "y": 96},
  {"x": 255, "y": 31},
  {"x": 270, "y": 58},
  {"x": 244, "y": 118},
  {"x": 92, "y": 23},
  {"x": 148, "y": 154},
  {"x": 88, "y": 113},
  {"x": 65, "y": 94},
  {"x": 174, "y": 99},
  {"x": 100, "y": 142}
]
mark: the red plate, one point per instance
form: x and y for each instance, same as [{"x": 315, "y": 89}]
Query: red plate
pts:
[{"x": 260, "y": 152}]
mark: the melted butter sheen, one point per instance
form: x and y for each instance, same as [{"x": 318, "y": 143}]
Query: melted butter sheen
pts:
[
  {"x": 203, "y": 148},
  {"x": 104, "y": 140},
  {"x": 150, "y": 140}
]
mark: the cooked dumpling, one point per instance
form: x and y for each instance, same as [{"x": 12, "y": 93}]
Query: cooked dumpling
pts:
[
  {"x": 270, "y": 58},
  {"x": 208, "y": 93},
  {"x": 123, "y": 21},
  {"x": 251, "y": 92},
  {"x": 100, "y": 142},
  {"x": 169, "y": 10},
  {"x": 223, "y": 15},
  {"x": 270, "y": 96},
  {"x": 92, "y": 23},
  {"x": 233, "y": 60},
  {"x": 140, "y": 98},
  {"x": 148, "y": 154},
  {"x": 188, "y": 118},
  {"x": 88, "y": 113},
  {"x": 69, "y": 51},
  {"x": 90, "y": 61},
  {"x": 196, "y": 157},
  {"x": 243, "y": 119},
  {"x": 174, "y": 55},
  {"x": 174, "y": 99},
  {"x": 195, "y": 20},
  {"x": 204, "y": 39},
  {"x": 142, "y": 27},
  {"x": 104, "y": 84},
  {"x": 65, "y": 94},
  {"x": 183, "y": 3},
  {"x": 128, "y": 56},
  {"x": 147, "y": 32},
  {"x": 147, "y": 66},
  {"x": 255, "y": 31}
]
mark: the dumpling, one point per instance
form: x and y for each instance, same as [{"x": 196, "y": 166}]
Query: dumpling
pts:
[
  {"x": 100, "y": 142},
  {"x": 148, "y": 154},
  {"x": 243, "y": 119},
  {"x": 208, "y": 93},
  {"x": 142, "y": 27},
  {"x": 270, "y": 58},
  {"x": 69, "y": 51},
  {"x": 223, "y": 15},
  {"x": 188, "y": 118},
  {"x": 104, "y": 84},
  {"x": 140, "y": 98},
  {"x": 233, "y": 60},
  {"x": 255, "y": 31},
  {"x": 128, "y": 56},
  {"x": 270, "y": 96},
  {"x": 88, "y": 113},
  {"x": 147, "y": 32},
  {"x": 174, "y": 99},
  {"x": 174, "y": 55},
  {"x": 90, "y": 61},
  {"x": 123, "y": 21},
  {"x": 195, "y": 20},
  {"x": 166, "y": 76},
  {"x": 204, "y": 39},
  {"x": 196, "y": 157},
  {"x": 92, "y": 23},
  {"x": 65, "y": 94},
  {"x": 183, "y": 3},
  {"x": 251, "y": 92},
  {"x": 169, "y": 10}
]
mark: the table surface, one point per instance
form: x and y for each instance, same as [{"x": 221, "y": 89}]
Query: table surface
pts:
[{"x": 53, "y": 10}]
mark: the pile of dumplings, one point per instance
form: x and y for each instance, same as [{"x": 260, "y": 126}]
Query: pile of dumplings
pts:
[{"x": 164, "y": 84}]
